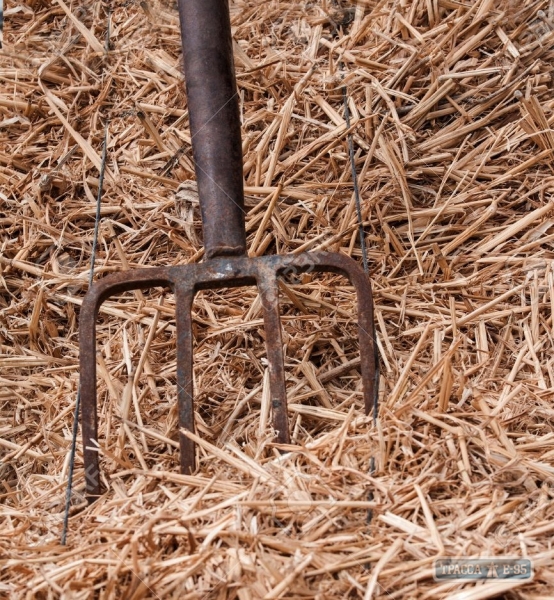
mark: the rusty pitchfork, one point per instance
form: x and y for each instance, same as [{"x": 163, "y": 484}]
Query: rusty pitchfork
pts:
[{"x": 216, "y": 143}]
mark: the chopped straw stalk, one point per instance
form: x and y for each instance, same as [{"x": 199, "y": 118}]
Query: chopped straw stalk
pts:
[{"x": 451, "y": 117}]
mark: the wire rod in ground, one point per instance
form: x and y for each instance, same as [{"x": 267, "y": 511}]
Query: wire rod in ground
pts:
[
  {"x": 355, "y": 182},
  {"x": 73, "y": 450},
  {"x": 365, "y": 261},
  {"x": 363, "y": 246}
]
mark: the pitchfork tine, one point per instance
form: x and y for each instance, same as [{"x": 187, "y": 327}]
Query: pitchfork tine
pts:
[
  {"x": 87, "y": 392},
  {"x": 183, "y": 317},
  {"x": 269, "y": 292}
]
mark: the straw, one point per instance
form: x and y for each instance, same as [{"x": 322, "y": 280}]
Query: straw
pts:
[{"x": 450, "y": 115}]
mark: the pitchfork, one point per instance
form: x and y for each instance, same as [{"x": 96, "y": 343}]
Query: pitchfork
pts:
[{"x": 216, "y": 143}]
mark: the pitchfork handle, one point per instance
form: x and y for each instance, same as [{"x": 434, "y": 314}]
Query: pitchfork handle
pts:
[{"x": 214, "y": 123}]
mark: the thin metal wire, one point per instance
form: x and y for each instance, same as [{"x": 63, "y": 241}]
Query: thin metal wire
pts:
[
  {"x": 365, "y": 261},
  {"x": 355, "y": 181},
  {"x": 73, "y": 450},
  {"x": 361, "y": 233}
]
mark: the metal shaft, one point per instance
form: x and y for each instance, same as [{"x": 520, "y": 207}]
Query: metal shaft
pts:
[{"x": 214, "y": 123}]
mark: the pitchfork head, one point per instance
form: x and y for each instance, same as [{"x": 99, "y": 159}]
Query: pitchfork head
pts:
[{"x": 216, "y": 273}]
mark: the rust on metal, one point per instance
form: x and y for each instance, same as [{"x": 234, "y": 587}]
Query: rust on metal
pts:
[
  {"x": 214, "y": 123},
  {"x": 225, "y": 272},
  {"x": 215, "y": 128}
]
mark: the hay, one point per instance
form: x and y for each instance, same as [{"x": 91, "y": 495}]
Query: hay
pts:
[{"x": 452, "y": 112}]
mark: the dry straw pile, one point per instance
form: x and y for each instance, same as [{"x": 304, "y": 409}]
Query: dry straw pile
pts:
[{"x": 452, "y": 108}]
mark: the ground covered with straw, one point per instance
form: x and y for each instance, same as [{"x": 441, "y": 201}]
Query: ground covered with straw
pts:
[{"x": 451, "y": 108}]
